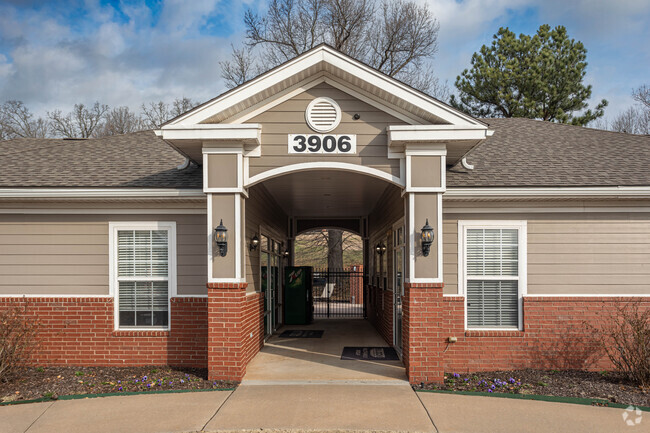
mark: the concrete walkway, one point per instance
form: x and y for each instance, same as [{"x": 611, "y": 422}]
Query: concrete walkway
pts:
[
  {"x": 306, "y": 360},
  {"x": 324, "y": 408}
]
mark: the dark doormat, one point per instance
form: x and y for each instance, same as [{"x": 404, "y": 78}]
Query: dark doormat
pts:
[
  {"x": 302, "y": 333},
  {"x": 370, "y": 353}
]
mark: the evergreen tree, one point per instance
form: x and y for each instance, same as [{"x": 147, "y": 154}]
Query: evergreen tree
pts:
[{"x": 538, "y": 77}]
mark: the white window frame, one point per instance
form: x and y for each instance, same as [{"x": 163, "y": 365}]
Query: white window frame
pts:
[
  {"x": 522, "y": 230},
  {"x": 113, "y": 228}
]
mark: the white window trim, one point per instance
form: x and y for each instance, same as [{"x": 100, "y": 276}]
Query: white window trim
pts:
[
  {"x": 113, "y": 228},
  {"x": 522, "y": 227}
]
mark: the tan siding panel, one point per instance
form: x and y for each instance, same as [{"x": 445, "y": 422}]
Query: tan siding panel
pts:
[
  {"x": 289, "y": 118},
  {"x": 595, "y": 253},
  {"x": 262, "y": 210},
  {"x": 68, "y": 254}
]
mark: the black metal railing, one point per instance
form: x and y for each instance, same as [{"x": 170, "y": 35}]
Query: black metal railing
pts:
[{"x": 339, "y": 293}]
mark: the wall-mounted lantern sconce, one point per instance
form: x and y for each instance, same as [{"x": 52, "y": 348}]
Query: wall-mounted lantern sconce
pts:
[
  {"x": 255, "y": 241},
  {"x": 286, "y": 254},
  {"x": 427, "y": 238},
  {"x": 380, "y": 249},
  {"x": 221, "y": 238}
]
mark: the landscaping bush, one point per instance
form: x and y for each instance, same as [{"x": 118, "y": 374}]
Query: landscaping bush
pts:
[
  {"x": 18, "y": 338},
  {"x": 624, "y": 335}
]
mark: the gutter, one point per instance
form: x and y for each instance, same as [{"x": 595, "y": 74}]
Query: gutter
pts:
[
  {"x": 100, "y": 193},
  {"x": 548, "y": 192}
]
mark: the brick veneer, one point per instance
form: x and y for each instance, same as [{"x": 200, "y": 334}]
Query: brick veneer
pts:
[
  {"x": 80, "y": 331},
  {"x": 422, "y": 333},
  {"x": 554, "y": 336},
  {"x": 235, "y": 329},
  {"x": 381, "y": 314}
]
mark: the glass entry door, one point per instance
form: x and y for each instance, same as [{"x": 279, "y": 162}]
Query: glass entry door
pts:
[{"x": 398, "y": 291}]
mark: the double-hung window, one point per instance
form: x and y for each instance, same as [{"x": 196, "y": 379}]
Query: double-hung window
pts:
[
  {"x": 143, "y": 275},
  {"x": 492, "y": 272}
]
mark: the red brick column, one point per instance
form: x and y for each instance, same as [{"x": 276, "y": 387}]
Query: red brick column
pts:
[
  {"x": 226, "y": 351},
  {"x": 422, "y": 336}
]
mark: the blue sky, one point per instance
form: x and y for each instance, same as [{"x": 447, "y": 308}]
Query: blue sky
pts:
[{"x": 57, "y": 53}]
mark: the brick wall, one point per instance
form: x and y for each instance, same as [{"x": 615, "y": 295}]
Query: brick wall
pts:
[
  {"x": 422, "y": 313},
  {"x": 554, "y": 336},
  {"x": 80, "y": 331},
  {"x": 381, "y": 315},
  {"x": 233, "y": 316}
]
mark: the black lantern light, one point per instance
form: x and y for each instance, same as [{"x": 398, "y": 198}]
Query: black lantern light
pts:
[
  {"x": 255, "y": 241},
  {"x": 221, "y": 238},
  {"x": 380, "y": 249},
  {"x": 427, "y": 238}
]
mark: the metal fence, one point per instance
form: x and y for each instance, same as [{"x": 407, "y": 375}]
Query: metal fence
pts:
[{"x": 338, "y": 293}]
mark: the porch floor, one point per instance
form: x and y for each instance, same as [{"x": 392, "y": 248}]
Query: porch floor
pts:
[{"x": 318, "y": 360}]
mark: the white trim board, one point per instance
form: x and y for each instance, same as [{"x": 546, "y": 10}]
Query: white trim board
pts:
[
  {"x": 522, "y": 274},
  {"x": 574, "y": 209},
  {"x": 104, "y": 211},
  {"x": 317, "y": 58},
  {"x": 546, "y": 192},
  {"x": 342, "y": 166},
  {"x": 99, "y": 192},
  {"x": 172, "y": 272}
]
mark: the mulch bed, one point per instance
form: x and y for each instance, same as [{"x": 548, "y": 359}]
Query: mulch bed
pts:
[
  {"x": 52, "y": 382},
  {"x": 561, "y": 383}
]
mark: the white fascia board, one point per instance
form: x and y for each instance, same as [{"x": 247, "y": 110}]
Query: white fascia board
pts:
[
  {"x": 550, "y": 192},
  {"x": 401, "y": 134},
  {"x": 336, "y": 59},
  {"x": 247, "y": 133},
  {"x": 250, "y": 89},
  {"x": 99, "y": 193},
  {"x": 398, "y": 89}
]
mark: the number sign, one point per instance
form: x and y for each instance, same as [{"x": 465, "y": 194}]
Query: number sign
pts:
[{"x": 323, "y": 143}]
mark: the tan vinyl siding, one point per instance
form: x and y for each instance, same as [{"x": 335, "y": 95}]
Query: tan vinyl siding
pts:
[
  {"x": 262, "y": 211},
  {"x": 572, "y": 253},
  {"x": 289, "y": 118},
  {"x": 68, "y": 254},
  {"x": 389, "y": 210}
]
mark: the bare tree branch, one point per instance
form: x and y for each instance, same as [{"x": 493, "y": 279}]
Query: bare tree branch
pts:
[
  {"x": 119, "y": 120},
  {"x": 81, "y": 122},
  {"x": 16, "y": 121}
]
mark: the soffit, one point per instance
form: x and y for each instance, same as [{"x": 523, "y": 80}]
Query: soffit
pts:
[{"x": 326, "y": 193}]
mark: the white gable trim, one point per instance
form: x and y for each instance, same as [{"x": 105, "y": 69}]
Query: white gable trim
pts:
[
  {"x": 343, "y": 166},
  {"x": 311, "y": 82},
  {"x": 312, "y": 58}
]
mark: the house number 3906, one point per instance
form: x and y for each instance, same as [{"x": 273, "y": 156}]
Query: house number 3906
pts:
[{"x": 323, "y": 143}]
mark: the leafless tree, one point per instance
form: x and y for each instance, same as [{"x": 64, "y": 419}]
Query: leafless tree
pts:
[
  {"x": 119, "y": 120},
  {"x": 16, "y": 121},
  {"x": 155, "y": 114},
  {"x": 398, "y": 37},
  {"x": 332, "y": 247},
  {"x": 642, "y": 96},
  {"x": 636, "y": 119},
  {"x": 241, "y": 68},
  {"x": 81, "y": 122}
]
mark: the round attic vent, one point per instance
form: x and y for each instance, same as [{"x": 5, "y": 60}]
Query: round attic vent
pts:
[{"x": 323, "y": 114}]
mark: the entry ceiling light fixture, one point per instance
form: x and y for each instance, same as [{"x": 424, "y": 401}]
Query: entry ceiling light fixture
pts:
[
  {"x": 380, "y": 249},
  {"x": 255, "y": 241},
  {"x": 221, "y": 238},
  {"x": 427, "y": 238}
]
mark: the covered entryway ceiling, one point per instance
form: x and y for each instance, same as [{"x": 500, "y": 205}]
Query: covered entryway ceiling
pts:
[{"x": 326, "y": 193}]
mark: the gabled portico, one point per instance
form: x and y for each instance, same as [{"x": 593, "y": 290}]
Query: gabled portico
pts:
[{"x": 270, "y": 161}]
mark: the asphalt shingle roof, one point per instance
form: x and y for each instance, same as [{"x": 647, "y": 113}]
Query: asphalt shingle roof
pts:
[
  {"x": 522, "y": 152},
  {"x": 525, "y": 152},
  {"x": 137, "y": 160}
]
